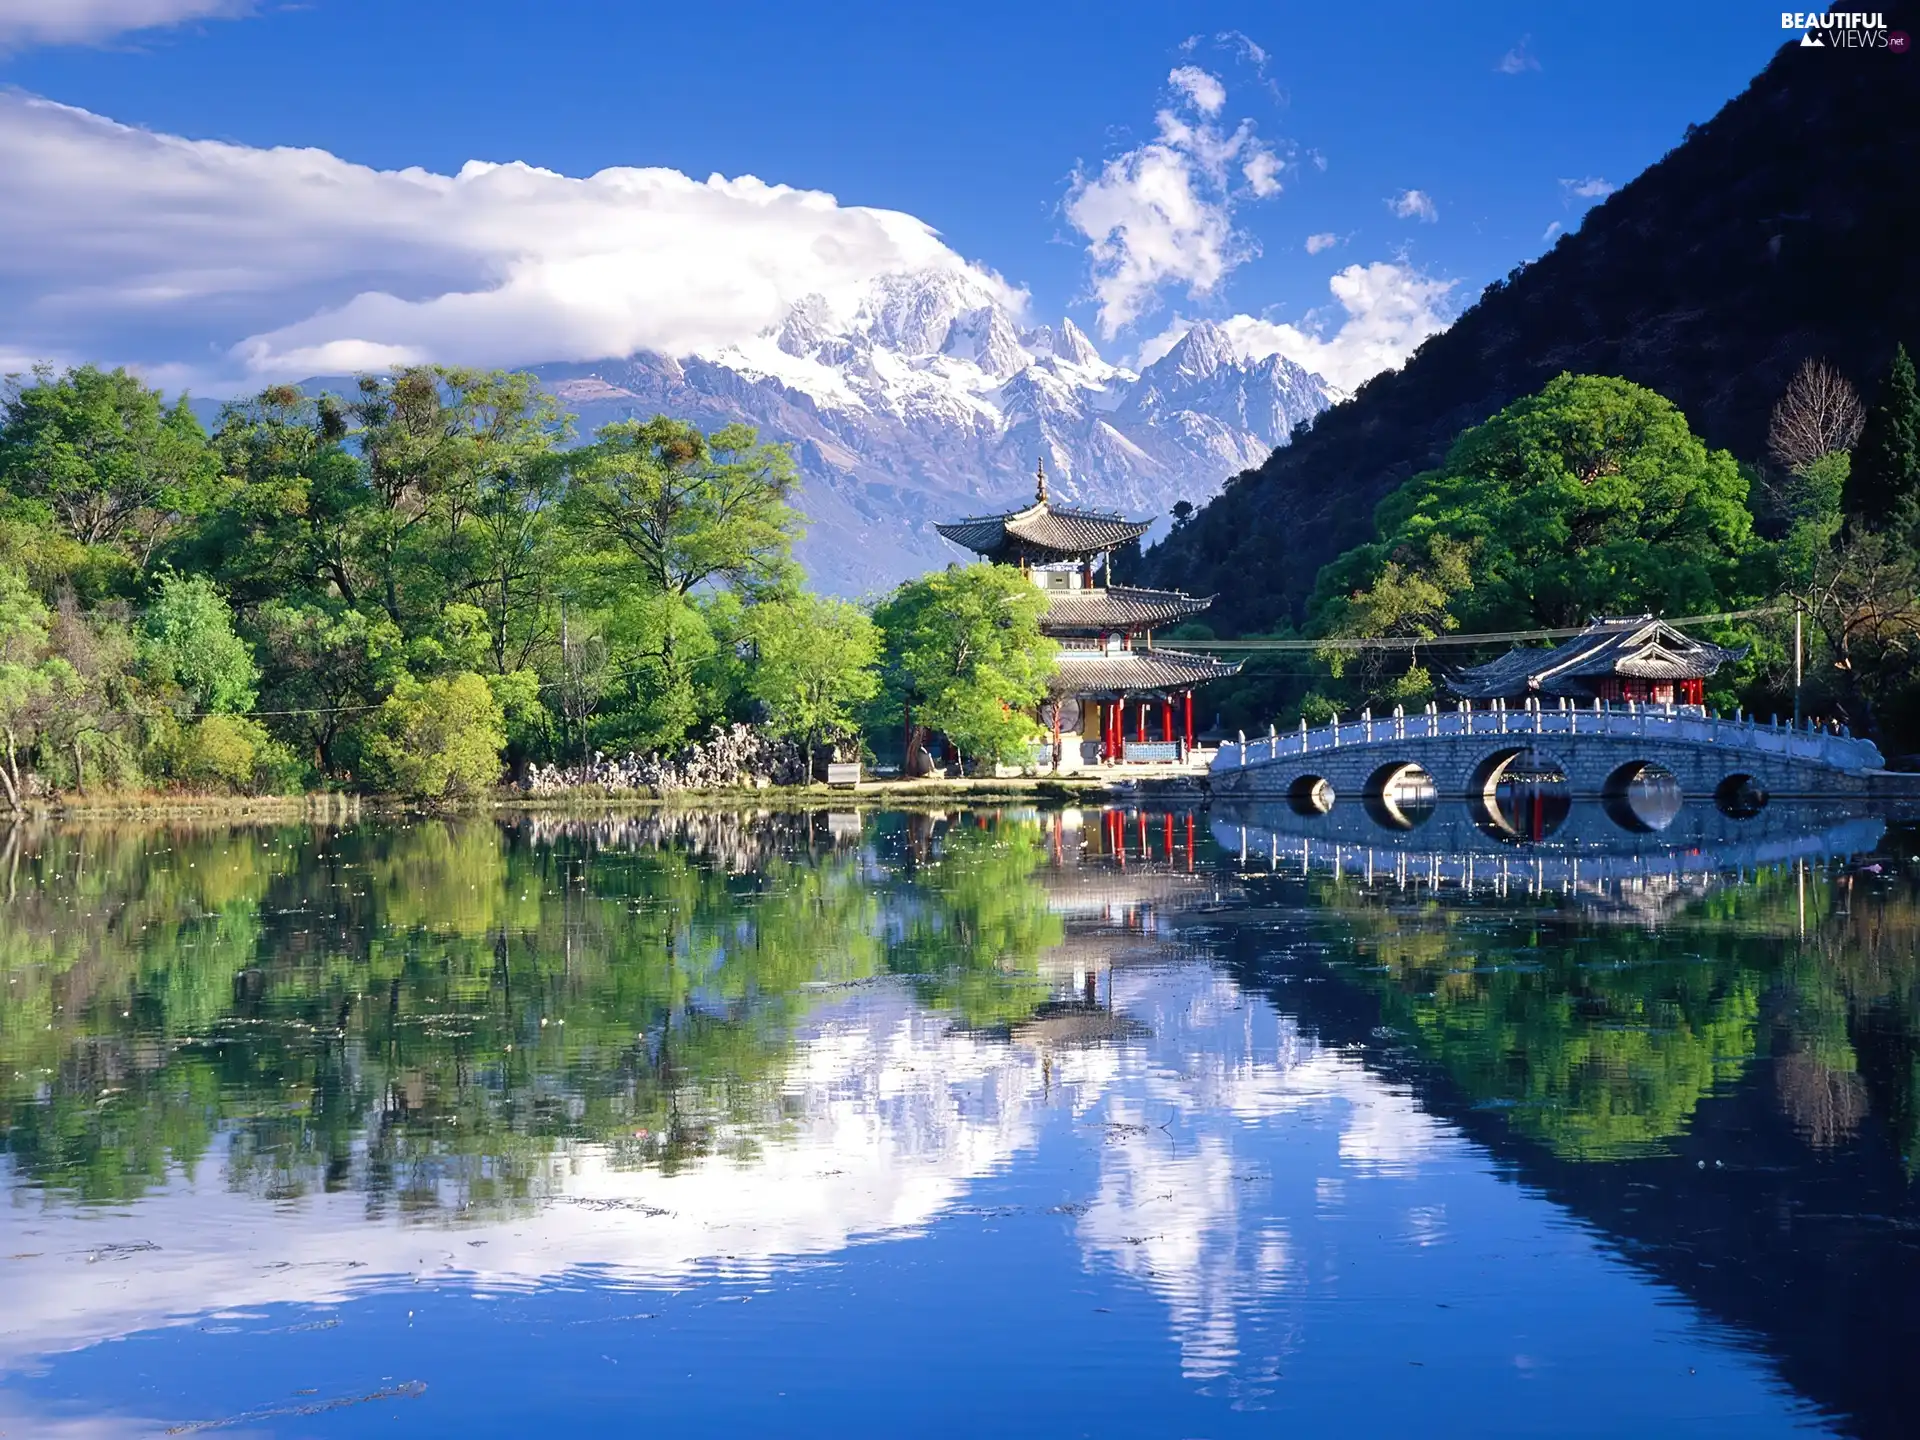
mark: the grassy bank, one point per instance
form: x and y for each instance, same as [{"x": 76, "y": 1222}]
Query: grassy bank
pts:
[{"x": 331, "y": 807}]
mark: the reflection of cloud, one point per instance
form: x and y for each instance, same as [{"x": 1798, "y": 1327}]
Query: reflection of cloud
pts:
[
  {"x": 1172, "y": 1221},
  {"x": 882, "y": 1120},
  {"x": 1190, "y": 1215},
  {"x": 891, "y": 1113}
]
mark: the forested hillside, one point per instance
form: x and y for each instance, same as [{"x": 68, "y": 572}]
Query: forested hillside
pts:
[{"x": 1783, "y": 228}]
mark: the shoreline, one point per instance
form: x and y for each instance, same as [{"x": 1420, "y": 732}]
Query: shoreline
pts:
[{"x": 335, "y": 806}]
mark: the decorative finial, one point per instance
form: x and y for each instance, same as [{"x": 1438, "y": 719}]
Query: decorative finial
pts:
[{"x": 1040, "y": 475}]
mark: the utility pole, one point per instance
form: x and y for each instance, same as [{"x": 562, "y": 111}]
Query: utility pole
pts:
[{"x": 1796, "y": 664}]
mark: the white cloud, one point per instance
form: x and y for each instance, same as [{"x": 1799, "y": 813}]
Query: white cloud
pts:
[
  {"x": 1552, "y": 230},
  {"x": 1386, "y": 310},
  {"x": 243, "y": 264},
  {"x": 1203, "y": 91},
  {"x": 1162, "y": 213},
  {"x": 1263, "y": 173},
  {"x": 1519, "y": 59},
  {"x": 67, "y": 22},
  {"x": 1325, "y": 240},
  {"x": 1591, "y": 188},
  {"x": 1414, "y": 205}
]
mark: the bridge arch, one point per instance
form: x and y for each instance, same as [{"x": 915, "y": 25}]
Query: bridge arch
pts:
[
  {"x": 1521, "y": 793},
  {"x": 1400, "y": 795},
  {"x": 1642, "y": 795},
  {"x": 1311, "y": 795},
  {"x": 1740, "y": 796}
]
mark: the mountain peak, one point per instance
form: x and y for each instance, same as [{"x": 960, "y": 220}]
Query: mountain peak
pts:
[
  {"x": 1072, "y": 344},
  {"x": 1197, "y": 354}
]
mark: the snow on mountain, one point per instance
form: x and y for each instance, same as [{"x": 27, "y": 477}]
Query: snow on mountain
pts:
[{"x": 922, "y": 399}]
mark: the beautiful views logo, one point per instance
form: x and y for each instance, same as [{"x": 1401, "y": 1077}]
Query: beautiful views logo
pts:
[{"x": 1844, "y": 30}]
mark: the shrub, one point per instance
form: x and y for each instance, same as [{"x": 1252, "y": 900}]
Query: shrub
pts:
[{"x": 439, "y": 739}]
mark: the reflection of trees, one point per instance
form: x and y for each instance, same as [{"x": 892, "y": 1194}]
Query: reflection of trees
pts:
[
  {"x": 975, "y": 918},
  {"x": 430, "y": 1013},
  {"x": 1601, "y": 1040}
]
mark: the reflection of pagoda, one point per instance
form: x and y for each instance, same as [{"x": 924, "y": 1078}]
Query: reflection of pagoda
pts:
[
  {"x": 1116, "y": 880},
  {"x": 1113, "y": 693}
]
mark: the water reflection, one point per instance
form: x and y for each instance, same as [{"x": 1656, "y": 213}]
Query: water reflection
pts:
[{"x": 294, "y": 1066}]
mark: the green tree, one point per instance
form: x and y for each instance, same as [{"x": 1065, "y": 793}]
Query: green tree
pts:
[
  {"x": 188, "y": 640},
  {"x": 1886, "y": 463},
  {"x": 288, "y": 512},
  {"x": 815, "y": 665},
  {"x": 686, "y": 509},
  {"x": 435, "y": 440},
  {"x": 112, "y": 463},
  {"x": 1592, "y": 497},
  {"x": 323, "y": 674},
  {"x": 30, "y": 677},
  {"x": 440, "y": 739},
  {"x": 964, "y": 654}
]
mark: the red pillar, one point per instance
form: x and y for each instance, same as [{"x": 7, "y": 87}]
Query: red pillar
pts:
[
  {"x": 1166, "y": 720},
  {"x": 1140, "y": 721},
  {"x": 1189, "y": 719}
]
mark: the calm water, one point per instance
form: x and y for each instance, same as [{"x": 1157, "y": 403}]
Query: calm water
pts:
[{"x": 1013, "y": 1123}]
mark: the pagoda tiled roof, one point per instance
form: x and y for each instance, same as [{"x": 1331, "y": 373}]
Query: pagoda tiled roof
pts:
[
  {"x": 1640, "y": 647},
  {"x": 1092, "y": 672},
  {"x": 1043, "y": 526},
  {"x": 1119, "y": 607}
]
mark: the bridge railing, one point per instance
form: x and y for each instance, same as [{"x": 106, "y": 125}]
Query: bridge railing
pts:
[{"x": 1683, "y": 723}]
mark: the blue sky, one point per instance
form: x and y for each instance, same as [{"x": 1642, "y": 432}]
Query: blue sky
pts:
[{"x": 1439, "y": 142}]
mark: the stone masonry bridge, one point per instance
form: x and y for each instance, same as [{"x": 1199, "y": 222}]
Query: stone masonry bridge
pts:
[{"x": 1597, "y": 752}]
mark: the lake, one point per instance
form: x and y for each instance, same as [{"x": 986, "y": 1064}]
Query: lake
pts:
[{"x": 1002, "y": 1121}]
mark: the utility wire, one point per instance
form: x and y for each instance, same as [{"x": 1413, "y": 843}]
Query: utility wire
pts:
[
  {"x": 1385, "y": 642},
  {"x": 1411, "y": 642}
]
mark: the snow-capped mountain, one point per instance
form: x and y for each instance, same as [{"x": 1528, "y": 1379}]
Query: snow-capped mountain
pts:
[{"x": 922, "y": 399}]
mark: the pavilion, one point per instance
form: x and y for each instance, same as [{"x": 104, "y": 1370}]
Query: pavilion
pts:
[
  {"x": 1114, "y": 698},
  {"x": 1635, "y": 658}
]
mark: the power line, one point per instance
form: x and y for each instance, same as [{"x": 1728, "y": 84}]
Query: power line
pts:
[{"x": 1411, "y": 642}]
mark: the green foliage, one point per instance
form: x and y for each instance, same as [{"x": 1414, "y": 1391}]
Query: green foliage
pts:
[
  {"x": 1592, "y": 497},
  {"x": 1886, "y": 462},
  {"x": 685, "y": 509},
  {"x": 1811, "y": 505},
  {"x": 188, "y": 640},
  {"x": 325, "y": 670},
  {"x": 815, "y": 665},
  {"x": 112, "y": 464},
  {"x": 229, "y": 752},
  {"x": 964, "y": 655},
  {"x": 439, "y": 739}
]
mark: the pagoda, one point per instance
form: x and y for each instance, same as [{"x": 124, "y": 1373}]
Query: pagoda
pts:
[
  {"x": 1113, "y": 697},
  {"x": 1635, "y": 658}
]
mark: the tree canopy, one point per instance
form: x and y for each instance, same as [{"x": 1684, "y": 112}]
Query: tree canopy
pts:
[{"x": 964, "y": 654}]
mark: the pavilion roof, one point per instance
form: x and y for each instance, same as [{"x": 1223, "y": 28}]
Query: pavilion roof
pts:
[
  {"x": 1045, "y": 529},
  {"x": 1132, "y": 672},
  {"x": 1119, "y": 607},
  {"x": 1640, "y": 647}
]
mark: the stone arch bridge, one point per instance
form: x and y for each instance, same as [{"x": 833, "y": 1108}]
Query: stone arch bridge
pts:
[{"x": 1589, "y": 753}]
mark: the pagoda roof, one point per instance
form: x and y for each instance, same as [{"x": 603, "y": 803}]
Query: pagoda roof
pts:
[
  {"x": 1639, "y": 646},
  {"x": 1119, "y": 607},
  {"x": 1046, "y": 529},
  {"x": 1092, "y": 672}
]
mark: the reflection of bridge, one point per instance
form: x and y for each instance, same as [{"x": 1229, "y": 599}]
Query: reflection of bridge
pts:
[
  {"x": 1594, "y": 752},
  {"x": 1594, "y": 845}
]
